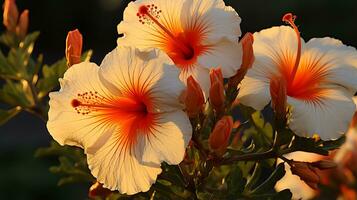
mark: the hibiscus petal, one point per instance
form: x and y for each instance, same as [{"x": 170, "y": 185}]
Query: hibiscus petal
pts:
[
  {"x": 329, "y": 117},
  {"x": 168, "y": 140},
  {"x": 218, "y": 20},
  {"x": 224, "y": 54},
  {"x": 146, "y": 35},
  {"x": 150, "y": 72},
  {"x": 68, "y": 125},
  {"x": 340, "y": 60},
  {"x": 117, "y": 168}
]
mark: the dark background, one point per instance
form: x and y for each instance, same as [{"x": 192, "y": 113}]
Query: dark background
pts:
[{"x": 24, "y": 177}]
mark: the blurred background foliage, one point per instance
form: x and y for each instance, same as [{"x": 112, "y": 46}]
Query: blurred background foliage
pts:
[{"x": 24, "y": 177}]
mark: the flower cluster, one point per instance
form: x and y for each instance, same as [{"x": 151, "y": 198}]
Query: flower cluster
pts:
[
  {"x": 128, "y": 114},
  {"x": 183, "y": 96}
]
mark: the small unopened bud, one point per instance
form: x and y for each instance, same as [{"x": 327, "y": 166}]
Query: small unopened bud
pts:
[
  {"x": 247, "y": 60},
  {"x": 97, "y": 190},
  {"x": 216, "y": 91},
  {"x": 193, "y": 98},
  {"x": 74, "y": 44},
  {"x": 278, "y": 97},
  {"x": 324, "y": 164},
  {"x": 10, "y": 15},
  {"x": 306, "y": 172},
  {"x": 219, "y": 137},
  {"x": 23, "y": 25}
]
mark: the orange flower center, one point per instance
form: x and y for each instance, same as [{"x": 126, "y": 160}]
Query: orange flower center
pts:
[
  {"x": 183, "y": 46},
  {"x": 303, "y": 75},
  {"x": 132, "y": 112}
]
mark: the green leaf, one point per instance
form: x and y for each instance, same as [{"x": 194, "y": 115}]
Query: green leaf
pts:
[
  {"x": 6, "y": 71},
  {"x": 269, "y": 183},
  {"x": 9, "y": 39},
  {"x": 333, "y": 144},
  {"x": 235, "y": 183},
  {"x": 73, "y": 164},
  {"x": 254, "y": 178},
  {"x": 263, "y": 127},
  {"x": 307, "y": 145},
  {"x": 29, "y": 41},
  {"x": 16, "y": 94},
  {"x": 50, "y": 76},
  {"x": 6, "y": 115}
]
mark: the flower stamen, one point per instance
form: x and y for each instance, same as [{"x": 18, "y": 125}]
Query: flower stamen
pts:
[
  {"x": 151, "y": 13},
  {"x": 290, "y": 18}
]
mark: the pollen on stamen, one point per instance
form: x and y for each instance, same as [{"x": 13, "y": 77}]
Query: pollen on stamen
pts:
[
  {"x": 86, "y": 102},
  {"x": 147, "y": 12}
]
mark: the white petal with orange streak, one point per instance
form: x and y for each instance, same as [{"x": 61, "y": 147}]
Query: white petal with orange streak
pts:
[
  {"x": 117, "y": 168},
  {"x": 270, "y": 45},
  {"x": 254, "y": 89},
  {"x": 273, "y": 44},
  {"x": 340, "y": 60},
  {"x": 152, "y": 70},
  {"x": 224, "y": 54},
  {"x": 144, "y": 36},
  {"x": 168, "y": 140},
  {"x": 65, "y": 125},
  {"x": 218, "y": 20},
  {"x": 329, "y": 117}
]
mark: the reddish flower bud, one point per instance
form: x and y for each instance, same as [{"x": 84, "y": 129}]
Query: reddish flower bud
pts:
[
  {"x": 219, "y": 137},
  {"x": 278, "y": 97},
  {"x": 10, "y": 15},
  {"x": 74, "y": 44},
  {"x": 97, "y": 190},
  {"x": 216, "y": 91},
  {"x": 324, "y": 164},
  {"x": 22, "y": 26},
  {"x": 247, "y": 60},
  {"x": 193, "y": 98},
  {"x": 306, "y": 172}
]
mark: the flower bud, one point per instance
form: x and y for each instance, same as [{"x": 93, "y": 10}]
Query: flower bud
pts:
[
  {"x": 97, "y": 190},
  {"x": 324, "y": 164},
  {"x": 10, "y": 15},
  {"x": 193, "y": 98},
  {"x": 22, "y": 26},
  {"x": 219, "y": 137},
  {"x": 247, "y": 60},
  {"x": 74, "y": 44},
  {"x": 306, "y": 172},
  {"x": 278, "y": 97},
  {"x": 216, "y": 91}
]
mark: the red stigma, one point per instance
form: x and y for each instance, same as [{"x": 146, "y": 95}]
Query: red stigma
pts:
[
  {"x": 143, "y": 10},
  {"x": 75, "y": 103},
  {"x": 289, "y": 18}
]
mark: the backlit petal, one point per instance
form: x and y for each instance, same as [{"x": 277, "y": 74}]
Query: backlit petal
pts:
[
  {"x": 150, "y": 72},
  {"x": 168, "y": 140},
  {"x": 339, "y": 60},
  {"x": 148, "y": 35},
  {"x": 224, "y": 53},
  {"x": 329, "y": 117},
  {"x": 118, "y": 168},
  {"x": 218, "y": 20},
  {"x": 76, "y": 127}
]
